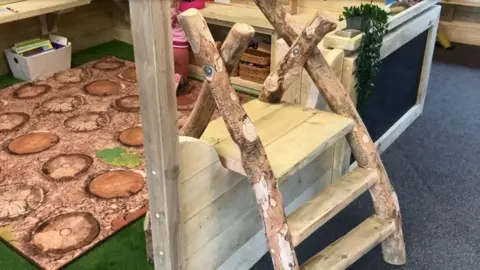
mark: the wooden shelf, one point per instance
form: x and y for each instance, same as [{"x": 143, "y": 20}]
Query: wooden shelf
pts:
[
  {"x": 31, "y": 8},
  {"x": 237, "y": 82},
  {"x": 228, "y": 15},
  {"x": 291, "y": 134},
  {"x": 461, "y": 24},
  {"x": 461, "y": 3},
  {"x": 461, "y": 32}
]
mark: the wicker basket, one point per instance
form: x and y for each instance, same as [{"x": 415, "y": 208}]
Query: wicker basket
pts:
[
  {"x": 254, "y": 74},
  {"x": 256, "y": 57}
]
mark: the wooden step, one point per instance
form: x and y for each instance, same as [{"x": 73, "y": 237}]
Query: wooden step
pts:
[
  {"x": 292, "y": 136},
  {"x": 346, "y": 250},
  {"x": 312, "y": 215}
]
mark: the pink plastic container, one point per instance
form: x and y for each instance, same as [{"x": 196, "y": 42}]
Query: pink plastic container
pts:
[{"x": 198, "y": 4}]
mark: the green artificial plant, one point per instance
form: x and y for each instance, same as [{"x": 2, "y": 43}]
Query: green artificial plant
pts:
[
  {"x": 374, "y": 26},
  {"x": 118, "y": 156}
]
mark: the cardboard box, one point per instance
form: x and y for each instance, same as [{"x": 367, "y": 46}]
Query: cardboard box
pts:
[{"x": 45, "y": 64}]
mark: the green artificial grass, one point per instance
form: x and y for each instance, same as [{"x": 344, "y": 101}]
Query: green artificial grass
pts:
[{"x": 124, "y": 250}]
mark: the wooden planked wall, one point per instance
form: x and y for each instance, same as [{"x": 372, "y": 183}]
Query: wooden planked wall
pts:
[
  {"x": 461, "y": 23},
  {"x": 122, "y": 29},
  {"x": 460, "y": 13},
  {"x": 85, "y": 27}
]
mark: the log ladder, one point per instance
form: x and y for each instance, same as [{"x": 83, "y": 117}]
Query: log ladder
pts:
[{"x": 244, "y": 136}]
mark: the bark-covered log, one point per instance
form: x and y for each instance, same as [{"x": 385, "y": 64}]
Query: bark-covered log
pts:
[
  {"x": 277, "y": 83},
  {"x": 244, "y": 134},
  {"x": 231, "y": 50},
  {"x": 384, "y": 197}
]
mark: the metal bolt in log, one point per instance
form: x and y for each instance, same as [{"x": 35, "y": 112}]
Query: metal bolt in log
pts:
[
  {"x": 384, "y": 197},
  {"x": 231, "y": 50},
  {"x": 244, "y": 134},
  {"x": 291, "y": 66}
]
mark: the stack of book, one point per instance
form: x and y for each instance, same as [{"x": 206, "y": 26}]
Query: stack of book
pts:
[{"x": 32, "y": 47}]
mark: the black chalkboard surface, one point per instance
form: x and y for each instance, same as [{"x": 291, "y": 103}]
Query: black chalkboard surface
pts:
[{"x": 396, "y": 87}]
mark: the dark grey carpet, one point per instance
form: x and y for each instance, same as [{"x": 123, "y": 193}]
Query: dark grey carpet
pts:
[{"x": 434, "y": 167}]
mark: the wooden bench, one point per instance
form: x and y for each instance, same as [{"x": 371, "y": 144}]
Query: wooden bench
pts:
[{"x": 222, "y": 226}]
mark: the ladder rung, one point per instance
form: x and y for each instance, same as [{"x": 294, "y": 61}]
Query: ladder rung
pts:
[
  {"x": 316, "y": 212},
  {"x": 346, "y": 250}
]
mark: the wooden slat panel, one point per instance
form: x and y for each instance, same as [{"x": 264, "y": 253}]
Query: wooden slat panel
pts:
[
  {"x": 225, "y": 202},
  {"x": 85, "y": 41},
  {"x": 292, "y": 136},
  {"x": 270, "y": 127},
  {"x": 312, "y": 215},
  {"x": 464, "y": 14},
  {"x": 291, "y": 152},
  {"x": 248, "y": 254},
  {"x": 233, "y": 219},
  {"x": 205, "y": 187},
  {"x": 461, "y": 32},
  {"x": 216, "y": 131}
]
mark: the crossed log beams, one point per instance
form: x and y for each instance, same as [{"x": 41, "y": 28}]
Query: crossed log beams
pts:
[
  {"x": 244, "y": 134},
  {"x": 241, "y": 128},
  {"x": 383, "y": 195},
  {"x": 231, "y": 50},
  {"x": 278, "y": 81}
]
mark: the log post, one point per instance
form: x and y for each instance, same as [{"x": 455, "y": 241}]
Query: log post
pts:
[
  {"x": 278, "y": 81},
  {"x": 244, "y": 134},
  {"x": 383, "y": 195},
  {"x": 231, "y": 50}
]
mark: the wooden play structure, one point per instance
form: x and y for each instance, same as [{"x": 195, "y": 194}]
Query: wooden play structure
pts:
[{"x": 202, "y": 214}]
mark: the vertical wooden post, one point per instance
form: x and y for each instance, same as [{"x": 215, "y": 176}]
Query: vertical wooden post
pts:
[{"x": 151, "y": 32}]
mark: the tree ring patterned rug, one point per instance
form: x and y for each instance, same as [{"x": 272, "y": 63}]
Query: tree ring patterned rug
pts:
[{"x": 72, "y": 160}]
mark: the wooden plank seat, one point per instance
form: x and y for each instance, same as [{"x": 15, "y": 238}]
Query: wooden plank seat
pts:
[
  {"x": 292, "y": 135},
  {"x": 219, "y": 214},
  {"x": 31, "y": 8},
  {"x": 295, "y": 139}
]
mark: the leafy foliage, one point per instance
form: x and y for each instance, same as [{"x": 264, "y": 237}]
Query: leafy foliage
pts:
[
  {"x": 375, "y": 26},
  {"x": 118, "y": 156}
]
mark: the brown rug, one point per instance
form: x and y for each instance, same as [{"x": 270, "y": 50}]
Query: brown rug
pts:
[{"x": 67, "y": 181}]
